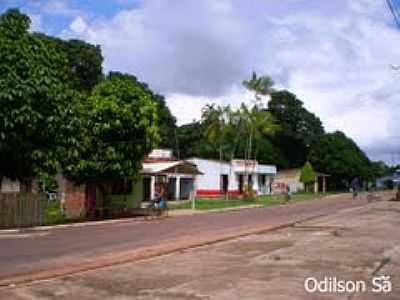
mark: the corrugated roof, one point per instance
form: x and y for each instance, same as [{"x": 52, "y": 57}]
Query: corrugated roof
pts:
[
  {"x": 160, "y": 167},
  {"x": 157, "y": 167}
]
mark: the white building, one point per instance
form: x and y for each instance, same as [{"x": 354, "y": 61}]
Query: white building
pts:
[
  {"x": 233, "y": 177},
  {"x": 176, "y": 177}
]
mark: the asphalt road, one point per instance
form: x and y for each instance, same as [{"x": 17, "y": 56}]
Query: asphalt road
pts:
[{"x": 38, "y": 251}]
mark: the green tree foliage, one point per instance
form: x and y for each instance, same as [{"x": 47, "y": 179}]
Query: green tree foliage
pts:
[
  {"x": 121, "y": 129},
  {"x": 307, "y": 175},
  {"x": 166, "y": 122},
  {"x": 299, "y": 127},
  {"x": 261, "y": 85},
  {"x": 258, "y": 125},
  {"x": 338, "y": 155},
  {"x": 215, "y": 120},
  {"x": 190, "y": 141},
  {"x": 229, "y": 133},
  {"x": 58, "y": 114},
  {"x": 380, "y": 169},
  {"x": 84, "y": 61},
  {"x": 38, "y": 117}
]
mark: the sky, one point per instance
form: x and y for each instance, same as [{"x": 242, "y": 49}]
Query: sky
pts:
[{"x": 336, "y": 56}]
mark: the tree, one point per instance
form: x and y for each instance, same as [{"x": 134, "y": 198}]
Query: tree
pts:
[
  {"x": 215, "y": 120},
  {"x": 84, "y": 61},
  {"x": 38, "y": 117},
  {"x": 307, "y": 176},
  {"x": 191, "y": 141},
  {"x": 338, "y": 155},
  {"x": 261, "y": 86},
  {"x": 166, "y": 122},
  {"x": 121, "y": 130},
  {"x": 258, "y": 125},
  {"x": 299, "y": 128}
]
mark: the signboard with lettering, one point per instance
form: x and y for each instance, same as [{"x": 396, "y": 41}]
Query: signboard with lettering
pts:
[{"x": 161, "y": 154}]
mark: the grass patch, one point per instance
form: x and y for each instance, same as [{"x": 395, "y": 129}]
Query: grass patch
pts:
[
  {"x": 266, "y": 200},
  {"x": 53, "y": 214}
]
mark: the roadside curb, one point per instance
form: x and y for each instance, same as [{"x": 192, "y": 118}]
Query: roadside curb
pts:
[{"x": 142, "y": 219}]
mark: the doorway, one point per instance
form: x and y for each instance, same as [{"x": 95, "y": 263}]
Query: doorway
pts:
[
  {"x": 146, "y": 188},
  {"x": 224, "y": 182},
  {"x": 240, "y": 179}
]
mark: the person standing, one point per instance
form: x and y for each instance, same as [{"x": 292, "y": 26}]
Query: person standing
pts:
[{"x": 355, "y": 186}]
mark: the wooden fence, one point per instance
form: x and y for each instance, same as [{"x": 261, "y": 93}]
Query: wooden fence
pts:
[{"x": 22, "y": 209}]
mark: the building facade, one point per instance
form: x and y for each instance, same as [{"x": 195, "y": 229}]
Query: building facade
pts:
[
  {"x": 221, "y": 177},
  {"x": 291, "y": 178}
]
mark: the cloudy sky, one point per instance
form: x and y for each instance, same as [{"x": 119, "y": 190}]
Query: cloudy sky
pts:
[{"x": 335, "y": 55}]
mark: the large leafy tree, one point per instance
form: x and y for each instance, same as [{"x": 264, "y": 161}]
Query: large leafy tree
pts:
[
  {"x": 166, "y": 122},
  {"x": 299, "y": 127},
  {"x": 121, "y": 129},
  {"x": 84, "y": 61},
  {"x": 338, "y": 155},
  {"x": 190, "y": 140},
  {"x": 39, "y": 121}
]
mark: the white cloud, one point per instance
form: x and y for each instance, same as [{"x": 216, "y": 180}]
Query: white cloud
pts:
[
  {"x": 188, "y": 107},
  {"x": 60, "y": 7},
  {"x": 37, "y": 22},
  {"x": 78, "y": 25},
  {"x": 334, "y": 55}
]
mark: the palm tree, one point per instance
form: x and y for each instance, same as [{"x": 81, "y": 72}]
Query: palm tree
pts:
[
  {"x": 257, "y": 123},
  {"x": 261, "y": 86},
  {"x": 215, "y": 118}
]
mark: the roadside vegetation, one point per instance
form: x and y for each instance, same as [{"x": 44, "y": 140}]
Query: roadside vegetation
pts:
[{"x": 267, "y": 200}]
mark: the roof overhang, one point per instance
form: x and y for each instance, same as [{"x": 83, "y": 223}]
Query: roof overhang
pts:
[{"x": 164, "y": 168}]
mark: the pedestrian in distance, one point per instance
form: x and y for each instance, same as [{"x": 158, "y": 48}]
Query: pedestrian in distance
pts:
[
  {"x": 287, "y": 193},
  {"x": 355, "y": 186}
]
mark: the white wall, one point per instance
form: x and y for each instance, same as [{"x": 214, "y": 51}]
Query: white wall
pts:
[
  {"x": 9, "y": 186},
  {"x": 212, "y": 170}
]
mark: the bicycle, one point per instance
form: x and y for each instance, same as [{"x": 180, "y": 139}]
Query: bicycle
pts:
[{"x": 155, "y": 210}]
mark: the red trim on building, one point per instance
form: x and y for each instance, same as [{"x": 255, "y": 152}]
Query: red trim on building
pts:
[{"x": 216, "y": 193}]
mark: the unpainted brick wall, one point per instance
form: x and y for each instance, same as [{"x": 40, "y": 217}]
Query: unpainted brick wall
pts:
[{"x": 74, "y": 199}]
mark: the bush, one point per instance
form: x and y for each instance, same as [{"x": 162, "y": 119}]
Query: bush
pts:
[
  {"x": 249, "y": 194},
  {"x": 53, "y": 213}
]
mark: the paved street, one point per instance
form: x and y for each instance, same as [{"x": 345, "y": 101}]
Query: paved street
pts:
[
  {"x": 46, "y": 253},
  {"x": 353, "y": 244}
]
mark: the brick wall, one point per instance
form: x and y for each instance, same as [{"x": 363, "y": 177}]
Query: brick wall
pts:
[{"x": 74, "y": 199}]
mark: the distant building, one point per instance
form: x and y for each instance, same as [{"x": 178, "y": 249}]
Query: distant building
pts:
[
  {"x": 10, "y": 186},
  {"x": 291, "y": 178},
  {"x": 222, "y": 177},
  {"x": 386, "y": 181}
]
